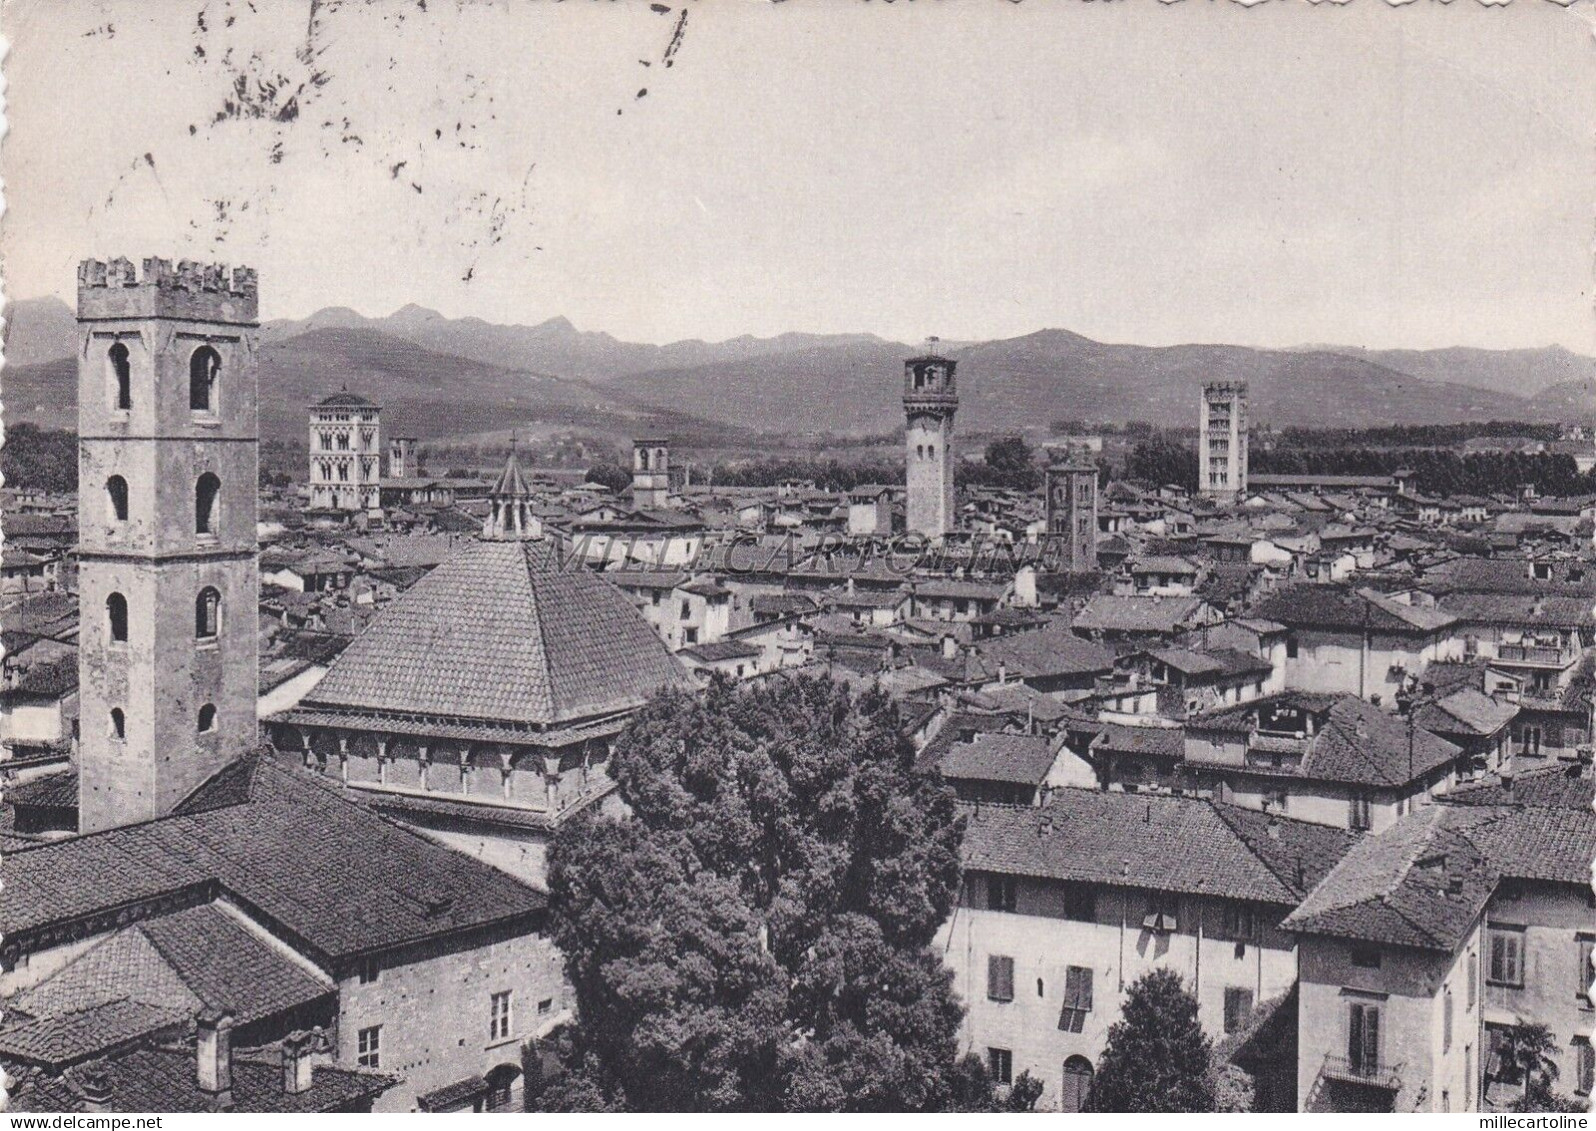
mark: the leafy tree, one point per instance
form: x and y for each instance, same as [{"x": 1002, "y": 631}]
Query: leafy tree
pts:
[
  {"x": 1528, "y": 1056},
  {"x": 42, "y": 458},
  {"x": 611, "y": 475},
  {"x": 1233, "y": 1088},
  {"x": 1157, "y": 1058},
  {"x": 756, "y": 934},
  {"x": 1160, "y": 460},
  {"x": 971, "y": 1088}
]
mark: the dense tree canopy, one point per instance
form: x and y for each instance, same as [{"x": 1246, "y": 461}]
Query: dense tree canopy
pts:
[
  {"x": 755, "y": 935},
  {"x": 611, "y": 475},
  {"x": 45, "y": 459},
  {"x": 1157, "y": 1058}
]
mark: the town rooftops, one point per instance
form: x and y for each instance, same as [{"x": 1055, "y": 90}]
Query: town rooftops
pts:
[
  {"x": 1163, "y": 615},
  {"x": 313, "y": 867},
  {"x": 1424, "y": 881},
  {"x": 1150, "y": 741},
  {"x": 501, "y": 632},
  {"x": 1333, "y": 607},
  {"x": 1557, "y": 786},
  {"x": 1353, "y": 742},
  {"x": 1154, "y": 843},
  {"x": 720, "y": 651},
  {"x": 201, "y": 957},
  {"x": 1018, "y": 759}
]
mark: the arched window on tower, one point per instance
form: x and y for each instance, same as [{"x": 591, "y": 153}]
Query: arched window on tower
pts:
[
  {"x": 207, "y": 614},
  {"x": 207, "y": 718},
  {"x": 118, "y": 723},
  {"x": 642, "y": 459},
  {"x": 206, "y": 504},
  {"x": 116, "y": 494},
  {"x": 121, "y": 367},
  {"x": 116, "y": 618},
  {"x": 203, "y": 369},
  {"x": 930, "y": 451}
]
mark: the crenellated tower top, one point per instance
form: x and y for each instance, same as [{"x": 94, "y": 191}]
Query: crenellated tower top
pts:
[{"x": 206, "y": 292}]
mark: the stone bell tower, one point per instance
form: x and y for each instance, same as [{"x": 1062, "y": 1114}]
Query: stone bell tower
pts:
[
  {"x": 168, "y": 580},
  {"x": 930, "y": 400}
]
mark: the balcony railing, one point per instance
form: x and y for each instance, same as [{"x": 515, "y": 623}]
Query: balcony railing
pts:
[
  {"x": 1542, "y": 654},
  {"x": 1362, "y": 1072}
]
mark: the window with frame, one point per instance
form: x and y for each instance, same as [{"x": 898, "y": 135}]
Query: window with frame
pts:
[
  {"x": 1506, "y": 956},
  {"x": 207, "y": 613},
  {"x": 1291, "y": 647},
  {"x": 1238, "y": 1004},
  {"x": 687, "y": 610},
  {"x": 1163, "y": 912},
  {"x": 1582, "y": 968},
  {"x": 203, "y": 368},
  {"x": 1000, "y": 1063},
  {"x": 545, "y": 1007},
  {"x": 1358, "y": 812},
  {"x": 1365, "y": 958},
  {"x": 116, "y": 618},
  {"x": 1080, "y": 903},
  {"x": 368, "y": 1047},
  {"x": 1584, "y": 1065},
  {"x": 369, "y": 971},
  {"x": 1363, "y": 1037},
  {"x": 1446, "y": 1020},
  {"x": 1002, "y": 893},
  {"x": 1077, "y": 999},
  {"x": 499, "y": 1016},
  {"x": 116, "y": 495},
  {"x": 999, "y": 977},
  {"x": 1239, "y": 922},
  {"x": 1474, "y": 978}
]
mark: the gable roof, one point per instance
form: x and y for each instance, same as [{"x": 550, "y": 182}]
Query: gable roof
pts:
[
  {"x": 1331, "y": 606},
  {"x": 328, "y": 873},
  {"x": 500, "y": 631},
  {"x": 1424, "y": 881},
  {"x": 1017, "y": 759},
  {"x": 1154, "y": 843},
  {"x": 198, "y": 957}
]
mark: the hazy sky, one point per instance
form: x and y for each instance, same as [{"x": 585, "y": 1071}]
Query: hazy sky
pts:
[{"x": 1201, "y": 171}]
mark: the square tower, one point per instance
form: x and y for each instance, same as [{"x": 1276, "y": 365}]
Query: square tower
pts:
[
  {"x": 1071, "y": 486},
  {"x": 930, "y": 400},
  {"x": 168, "y": 580},
  {"x": 401, "y": 457},
  {"x": 651, "y": 473},
  {"x": 1222, "y": 441},
  {"x": 345, "y": 453}
]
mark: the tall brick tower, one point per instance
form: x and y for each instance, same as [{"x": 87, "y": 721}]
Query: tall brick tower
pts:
[
  {"x": 1072, "y": 513},
  {"x": 168, "y": 580},
  {"x": 930, "y": 399}
]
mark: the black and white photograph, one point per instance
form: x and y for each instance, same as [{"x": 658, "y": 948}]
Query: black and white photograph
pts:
[{"x": 797, "y": 556}]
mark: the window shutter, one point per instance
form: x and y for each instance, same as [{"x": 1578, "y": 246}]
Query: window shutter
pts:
[
  {"x": 1084, "y": 990},
  {"x": 1371, "y": 1038}
]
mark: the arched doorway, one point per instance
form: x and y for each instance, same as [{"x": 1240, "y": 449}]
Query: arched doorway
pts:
[
  {"x": 1077, "y": 1084},
  {"x": 504, "y": 1088}
]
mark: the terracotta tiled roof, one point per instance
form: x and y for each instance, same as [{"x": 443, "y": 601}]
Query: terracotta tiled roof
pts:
[
  {"x": 56, "y": 1041},
  {"x": 1020, "y": 759},
  {"x": 325, "y": 870},
  {"x": 1175, "y": 844},
  {"x": 500, "y": 632},
  {"x": 163, "y": 1079},
  {"x": 1424, "y": 881},
  {"x": 198, "y": 957}
]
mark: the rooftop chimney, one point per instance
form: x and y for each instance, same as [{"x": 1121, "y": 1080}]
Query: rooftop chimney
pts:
[
  {"x": 94, "y": 1085},
  {"x": 297, "y": 1049},
  {"x": 214, "y": 1054}
]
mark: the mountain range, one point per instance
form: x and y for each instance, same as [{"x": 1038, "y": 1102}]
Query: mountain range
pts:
[{"x": 439, "y": 376}]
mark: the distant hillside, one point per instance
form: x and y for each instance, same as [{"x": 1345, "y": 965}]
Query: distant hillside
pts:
[
  {"x": 439, "y": 375},
  {"x": 38, "y": 330},
  {"x": 1522, "y": 372},
  {"x": 424, "y": 393},
  {"x": 1053, "y": 374},
  {"x": 554, "y": 346},
  {"x": 1570, "y": 401}
]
